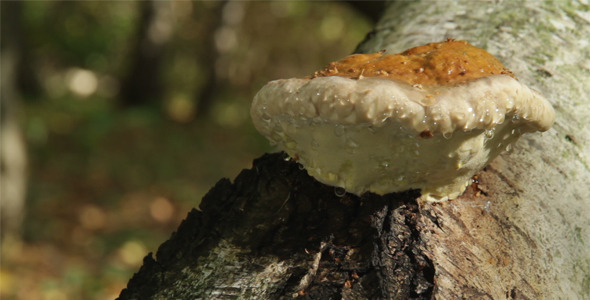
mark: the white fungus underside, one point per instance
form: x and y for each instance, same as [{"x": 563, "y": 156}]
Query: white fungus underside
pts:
[{"x": 364, "y": 134}]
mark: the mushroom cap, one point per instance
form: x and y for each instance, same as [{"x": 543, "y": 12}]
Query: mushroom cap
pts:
[
  {"x": 447, "y": 63},
  {"x": 427, "y": 118}
]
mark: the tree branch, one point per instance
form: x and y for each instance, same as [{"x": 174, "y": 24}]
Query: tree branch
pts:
[{"x": 522, "y": 232}]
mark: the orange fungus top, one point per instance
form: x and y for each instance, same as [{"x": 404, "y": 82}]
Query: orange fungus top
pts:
[{"x": 445, "y": 63}]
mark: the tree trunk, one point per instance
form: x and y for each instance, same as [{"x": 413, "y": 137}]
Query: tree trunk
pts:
[
  {"x": 522, "y": 232},
  {"x": 13, "y": 152},
  {"x": 208, "y": 92},
  {"x": 143, "y": 84}
]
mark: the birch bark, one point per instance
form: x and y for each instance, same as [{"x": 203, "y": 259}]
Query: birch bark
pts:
[
  {"x": 532, "y": 230},
  {"x": 275, "y": 233}
]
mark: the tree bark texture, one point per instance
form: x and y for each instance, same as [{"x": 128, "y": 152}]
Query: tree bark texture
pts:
[
  {"x": 277, "y": 233},
  {"x": 522, "y": 232}
]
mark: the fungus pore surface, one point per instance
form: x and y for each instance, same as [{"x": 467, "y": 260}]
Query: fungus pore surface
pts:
[{"x": 427, "y": 118}]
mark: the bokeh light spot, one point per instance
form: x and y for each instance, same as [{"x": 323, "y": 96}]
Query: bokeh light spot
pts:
[
  {"x": 92, "y": 217},
  {"x": 81, "y": 82},
  {"x": 132, "y": 253},
  {"x": 161, "y": 209}
]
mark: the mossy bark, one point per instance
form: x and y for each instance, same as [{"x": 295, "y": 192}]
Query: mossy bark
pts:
[{"x": 521, "y": 232}]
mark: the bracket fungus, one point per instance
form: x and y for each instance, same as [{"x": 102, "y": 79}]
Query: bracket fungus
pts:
[{"x": 428, "y": 118}]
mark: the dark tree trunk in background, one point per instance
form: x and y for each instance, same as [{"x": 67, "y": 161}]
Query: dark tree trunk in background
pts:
[
  {"x": 13, "y": 159},
  {"x": 13, "y": 32},
  {"x": 143, "y": 83},
  {"x": 208, "y": 92},
  {"x": 522, "y": 233},
  {"x": 372, "y": 10}
]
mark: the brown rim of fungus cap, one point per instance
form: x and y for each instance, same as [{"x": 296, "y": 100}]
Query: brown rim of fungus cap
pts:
[{"x": 427, "y": 118}]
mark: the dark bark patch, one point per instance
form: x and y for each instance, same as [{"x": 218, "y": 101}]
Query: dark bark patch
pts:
[{"x": 337, "y": 246}]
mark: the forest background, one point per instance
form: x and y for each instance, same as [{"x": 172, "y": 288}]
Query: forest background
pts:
[{"x": 129, "y": 113}]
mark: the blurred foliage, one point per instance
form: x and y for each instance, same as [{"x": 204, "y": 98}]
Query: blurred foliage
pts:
[{"x": 107, "y": 185}]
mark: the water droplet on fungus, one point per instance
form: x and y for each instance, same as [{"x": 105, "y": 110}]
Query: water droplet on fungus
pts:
[{"x": 339, "y": 192}]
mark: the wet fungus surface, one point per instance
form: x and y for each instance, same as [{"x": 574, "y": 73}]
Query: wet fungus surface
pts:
[{"x": 428, "y": 118}]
